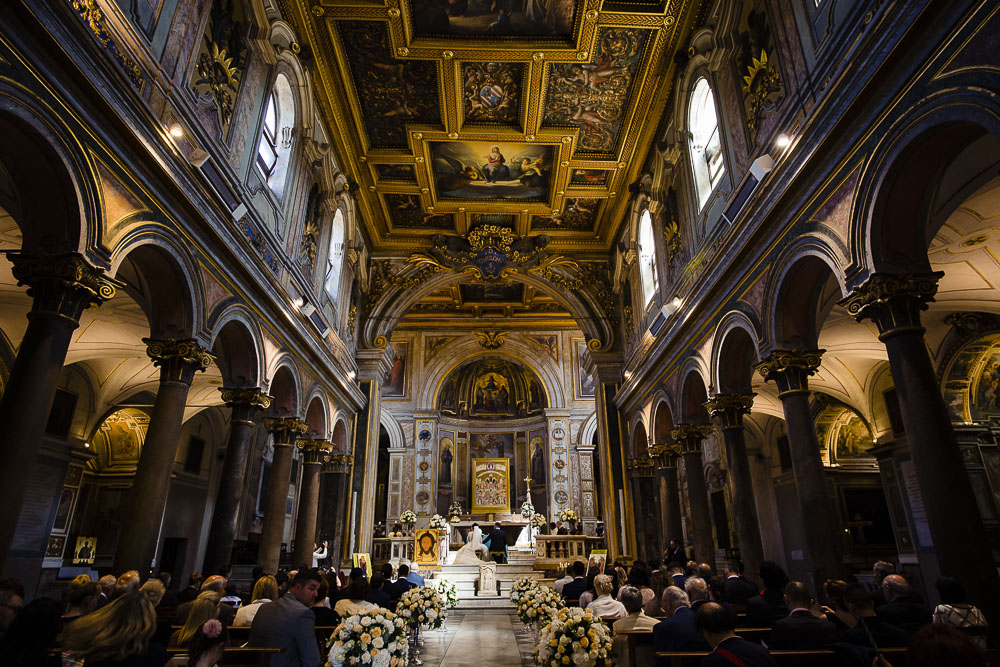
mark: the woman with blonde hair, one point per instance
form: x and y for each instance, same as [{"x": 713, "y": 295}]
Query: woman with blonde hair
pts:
[
  {"x": 264, "y": 591},
  {"x": 116, "y": 635},
  {"x": 203, "y": 609},
  {"x": 154, "y": 590}
]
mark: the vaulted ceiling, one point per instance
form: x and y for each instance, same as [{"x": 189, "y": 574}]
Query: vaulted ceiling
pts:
[{"x": 534, "y": 115}]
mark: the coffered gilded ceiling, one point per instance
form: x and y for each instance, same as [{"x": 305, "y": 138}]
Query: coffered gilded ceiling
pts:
[{"x": 529, "y": 114}]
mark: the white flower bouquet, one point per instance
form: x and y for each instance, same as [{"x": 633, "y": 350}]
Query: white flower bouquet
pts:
[
  {"x": 539, "y": 605},
  {"x": 407, "y": 518},
  {"x": 569, "y": 515},
  {"x": 575, "y": 636},
  {"x": 527, "y": 509},
  {"x": 521, "y": 587},
  {"x": 439, "y": 522},
  {"x": 448, "y": 591},
  {"x": 538, "y": 521},
  {"x": 375, "y": 637},
  {"x": 423, "y": 605},
  {"x": 454, "y": 511}
]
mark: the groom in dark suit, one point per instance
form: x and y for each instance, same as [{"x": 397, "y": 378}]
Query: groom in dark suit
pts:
[{"x": 497, "y": 542}]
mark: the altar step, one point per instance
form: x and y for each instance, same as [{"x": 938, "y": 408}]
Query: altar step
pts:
[{"x": 465, "y": 576}]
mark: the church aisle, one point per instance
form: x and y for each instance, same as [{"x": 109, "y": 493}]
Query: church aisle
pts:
[{"x": 478, "y": 638}]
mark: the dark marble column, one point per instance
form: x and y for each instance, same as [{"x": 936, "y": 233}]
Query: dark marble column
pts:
[
  {"x": 665, "y": 455},
  {"x": 284, "y": 431},
  {"x": 61, "y": 287},
  {"x": 790, "y": 370},
  {"x": 244, "y": 402},
  {"x": 729, "y": 410},
  {"x": 894, "y": 303},
  {"x": 333, "y": 513},
  {"x": 641, "y": 471},
  {"x": 314, "y": 455},
  {"x": 179, "y": 360},
  {"x": 690, "y": 437}
]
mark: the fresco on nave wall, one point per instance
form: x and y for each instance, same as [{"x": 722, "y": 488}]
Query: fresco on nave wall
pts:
[{"x": 499, "y": 18}]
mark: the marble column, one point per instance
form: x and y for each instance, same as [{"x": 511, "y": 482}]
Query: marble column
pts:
[
  {"x": 790, "y": 371},
  {"x": 894, "y": 303},
  {"x": 373, "y": 365},
  {"x": 179, "y": 360},
  {"x": 690, "y": 437},
  {"x": 665, "y": 454},
  {"x": 61, "y": 288},
  {"x": 284, "y": 431},
  {"x": 645, "y": 506},
  {"x": 729, "y": 409},
  {"x": 314, "y": 454},
  {"x": 244, "y": 403},
  {"x": 333, "y": 515}
]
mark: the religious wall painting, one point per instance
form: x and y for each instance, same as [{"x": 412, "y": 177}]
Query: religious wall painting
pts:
[
  {"x": 588, "y": 177},
  {"x": 491, "y": 445},
  {"x": 490, "y": 485},
  {"x": 492, "y": 388},
  {"x": 868, "y": 523},
  {"x": 394, "y": 385},
  {"x": 446, "y": 460},
  {"x": 67, "y": 499},
  {"x": 55, "y": 547},
  {"x": 117, "y": 443},
  {"x": 391, "y": 92},
  {"x": 548, "y": 342},
  {"x": 578, "y": 215},
  {"x": 395, "y": 172},
  {"x": 492, "y": 92},
  {"x": 492, "y": 292},
  {"x": 537, "y": 466},
  {"x": 595, "y": 96},
  {"x": 985, "y": 387},
  {"x": 405, "y": 211},
  {"x": 483, "y": 170},
  {"x": 425, "y": 548},
  {"x": 85, "y": 550},
  {"x": 842, "y": 433},
  {"x": 222, "y": 60},
  {"x": 434, "y": 344},
  {"x": 493, "y": 18},
  {"x": 362, "y": 561},
  {"x": 585, "y": 386},
  {"x": 757, "y": 69}
]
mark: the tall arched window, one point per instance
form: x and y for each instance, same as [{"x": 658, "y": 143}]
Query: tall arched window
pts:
[
  {"x": 647, "y": 257},
  {"x": 335, "y": 258},
  {"x": 276, "y": 134},
  {"x": 706, "y": 142}
]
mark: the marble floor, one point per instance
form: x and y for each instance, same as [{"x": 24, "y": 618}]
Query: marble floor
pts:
[{"x": 474, "y": 638}]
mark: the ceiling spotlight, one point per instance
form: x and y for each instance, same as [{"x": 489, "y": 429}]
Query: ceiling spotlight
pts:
[
  {"x": 299, "y": 302},
  {"x": 176, "y": 131},
  {"x": 782, "y": 141},
  {"x": 352, "y": 374},
  {"x": 627, "y": 374},
  {"x": 676, "y": 302}
]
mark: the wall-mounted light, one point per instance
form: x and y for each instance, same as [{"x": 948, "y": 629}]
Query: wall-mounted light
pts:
[
  {"x": 782, "y": 141},
  {"x": 352, "y": 374},
  {"x": 299, "y": 302},
  {"x": 176, "y": 131},
  {"x": 677, "y": 302},
  {"x": 627, "y": 374}
]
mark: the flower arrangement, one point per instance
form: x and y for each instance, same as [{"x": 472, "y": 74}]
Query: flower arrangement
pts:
[
  {"x": 539, "y": 605},
  {"x": 212, "y": 628},
  {"x": 575, "y": 636},
  {"x": 439, "y": 522},
  {"x": 569, "y": 515},
  {"x": 376, "y": 637},
  {"x": 448, "y": 590},
  {"x": 520, "y": 588},
  {"x": 538, "y": 521},
  {"x": 527, "y": 509},
  {"x": 407, "y": 518},
  {"x": 454, "y": 511},
  {"x": 422, "y": 605}
]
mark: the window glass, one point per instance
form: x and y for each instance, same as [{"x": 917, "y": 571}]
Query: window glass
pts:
[
  {"x": 706, "y": 141},
  {"x": 267, "y": 150},
  {"x": 647, "y": 257},
  {"x": 335, "y": 258}
]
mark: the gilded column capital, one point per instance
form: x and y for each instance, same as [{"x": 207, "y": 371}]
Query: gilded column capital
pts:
[
  {"x": 690, "y": 436},
  {"x": 665, "y": 454},
  {"x": 338, "y": 464},
  {"x": 285, "y": 429},
  {"x": 245, "y": 401},
  {"x": 790, "y": 369},
  {"x": 315, "y": 451},
  {"x": 62, "y": 286},
  {"x": 178, "y": 358},
  {"x": 640, "y": 466},
  {"x": 730, "y": 408},
  {"x": 893, "y": 301}
]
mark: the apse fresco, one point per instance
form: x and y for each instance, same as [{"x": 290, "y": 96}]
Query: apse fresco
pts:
[
  {"x": 485, "y": 170},
  {"x": 391, "y": 92},
  {"x": 499, "y": 18},
  {"x": 578, "y": 214},
  {"x": 396, "y": 172},
  {"x": 987, "y": 393},
  {"x": 394, "y": 384},
  {"x": 406, "y": 211},
  {"x": 492, "y": 388},
  {"x": 594, "y": 96},
  {"x": 588, "y": 177},
  {"x": 492, "y": 92}
]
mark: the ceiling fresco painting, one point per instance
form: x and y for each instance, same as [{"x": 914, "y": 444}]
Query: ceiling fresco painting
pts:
[
  {"x": 579, "y": 214},
  {"x": 484, "y": 170},
  {"x": 396, "y": 172},
  {"x": 405, "y": 211},
  {"x": 493, "y": 18},
  {"x": 588, "y": 177},
  {"x": 492, "y": 92}
]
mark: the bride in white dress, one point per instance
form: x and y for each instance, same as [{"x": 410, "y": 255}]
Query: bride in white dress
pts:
[{"x": 469, "y": 553}]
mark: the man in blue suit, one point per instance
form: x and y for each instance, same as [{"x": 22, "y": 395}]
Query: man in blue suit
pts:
[{"x": 678, "y": 631}]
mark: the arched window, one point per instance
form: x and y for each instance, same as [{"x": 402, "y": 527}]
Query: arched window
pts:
[
  {"x": 647, "y": 257},
  {"x": 276, "y": 133},
  {"x": 335, "y": 258},
  {"x": 706, "y": 143}
]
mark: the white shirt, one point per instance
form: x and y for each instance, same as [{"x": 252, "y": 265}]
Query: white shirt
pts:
[
  {"x": 318, "y": 555},
  {"x": 559, "y": 583},
  {"x": 245, "y": 614},
  {"x": 605, "y": 605}
]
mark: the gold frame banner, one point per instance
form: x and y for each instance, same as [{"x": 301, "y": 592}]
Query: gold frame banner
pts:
[{"x": 491, "y": 485}]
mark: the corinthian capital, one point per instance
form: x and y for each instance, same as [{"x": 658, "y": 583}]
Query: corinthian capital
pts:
[
  {"x": 178, "y": 358},
  {"x": 315, "y": 451},
  {"x": 790, "y": 369},
  {"x": 664, "y": 454},
  {"x": 62, "y": 285},
  {"x": 285, "y": 429},
  {"x": 690, "y": 436},
  {"x": 893, "y": 301},
  {"x": 245, "y": 401},
  {"x": 730, "y": 408}
]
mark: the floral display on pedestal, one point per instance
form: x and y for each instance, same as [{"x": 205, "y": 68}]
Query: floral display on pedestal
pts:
[
  {"x": 570, "y": 517},
  {"x": 455, "y": 512},
  {"x": 439, "y": 522},
  {"x": 408, "y": 519},
  {"x": 538, "y": 605},
  {"x": 575, "y": 636},
  {"x": 376, "y": 637},
  {"x": 423, "y": 605}
]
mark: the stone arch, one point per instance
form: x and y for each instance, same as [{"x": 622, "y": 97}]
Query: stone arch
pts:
[
  {"x": 694, "y": 394},
  {"x": 283, "y": 386},
  {"x": 663, "y": 419},
  {"x": 588, "y": 430},
  {"x": 238, "y": 347},
  {"x": 393, "y": 429},
  {"x": 317, "y": 412},
  {"x": 340, "y": 436},
  {"x": 734, "y": 354},
  {"x": 639, "y": 440}
]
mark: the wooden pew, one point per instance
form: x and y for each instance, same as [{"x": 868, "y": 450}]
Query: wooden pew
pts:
[
  {"x": 638, "y": 647},
  {"x": 239, "y": 657},
  {"x": 817, "y": 658}
]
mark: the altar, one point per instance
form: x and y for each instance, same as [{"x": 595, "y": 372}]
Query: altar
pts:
[{"x": 514, "y": 526}]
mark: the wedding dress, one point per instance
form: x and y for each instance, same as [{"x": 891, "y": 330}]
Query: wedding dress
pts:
[{"x": 467, "y": 556}]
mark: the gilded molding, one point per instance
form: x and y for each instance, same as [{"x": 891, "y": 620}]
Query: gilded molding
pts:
[
  {"x": 690, "y": 436},
  {"x": 285, "y": 429},
  {"x": 245, "y": 401},
  {"x": 62, "y": 286},
  {"x": 338, "y": 464},
  {"x": 665, "y": 454},
  {"x": 893, "y": 301},
  {"x": 790, "y": 369},
  {"x": 491, "y": 340},
  {"x": 178, "y": 358},
  {"x": 730, "y": 408},
  {"x": 640, "y": 466},
  {"x": 94, "y": 18},
  {"x": 315, "y": 451}
]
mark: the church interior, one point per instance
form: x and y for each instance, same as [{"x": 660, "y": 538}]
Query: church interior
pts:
[{"x": 290, "y": 283}]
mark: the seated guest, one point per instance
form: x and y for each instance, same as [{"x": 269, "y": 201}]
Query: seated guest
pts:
[
  {"x": 800, "y": 630},
  {"x": 264, "y": 591},
  {"x": 32, "y": 634},
  {"x": 638, "y": 576},
  {"x": 619, "y": 577},
  {"x": 169, "y": 600},
  {"x": 588, "y": 595},
  {"x": 939, "y": 644},
  {"x": 678, "y": 631},
  {"x": 717, "y": 591},
  {"x": 414, "y": 577},
  {"x": 631, "y": 599},
  {"x": 127, "y": 583},
  {"x": 189, "y": 593},
  {"x": 574, "y": 589},
  {"x": 718, "y": 624},
  {"x": 116, "y": 635},
  {"x": 902, "y": 609},
  {"x": 739, "y": 589},
  {"x": 289, "y": 624},
  {"x": 676, "y": 573},
  {"x": 955, "y": 611},
  {"x": 203, "y": 609},
  {"x": 106, "y": 585},
  {"x": 697, "y": 591},
  {"x": 567, "y": 577},
  {"x": 206, "y": 647},
  {"x": 674, "y": 552},
  {"x": 859, "y": 603},
  {"x": 880, "y": 571},
  {"x": 356, "y": 600},
  {"x": 604, "y": 605},
  {"x": 658, "y": 582},
  {"x": 378, "y": 597},
  {"x": 325, "y": 616},
  {"x": 401, "y": 585},
  {"x": 214, "y": 587},
  {"x": 154, "y": 590},
  {"x": 769, "y": 606},
  {"x": 705, "y": 571},
  {"x": 837, "y": 613},
  {"x": 81, "y": 597}
]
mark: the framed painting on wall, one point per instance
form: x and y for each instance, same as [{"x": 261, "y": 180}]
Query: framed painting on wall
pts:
[{"x": 490, "y": 485}]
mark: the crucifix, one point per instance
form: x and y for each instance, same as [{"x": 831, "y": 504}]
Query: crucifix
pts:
[{"x": 527, "y": 482}]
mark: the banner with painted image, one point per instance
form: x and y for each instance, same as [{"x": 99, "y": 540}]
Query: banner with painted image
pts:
[{"x": 491, "y": 485}]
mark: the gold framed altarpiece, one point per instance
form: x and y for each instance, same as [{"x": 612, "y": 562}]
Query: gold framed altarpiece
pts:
[{"x": 491, "y": 485}]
